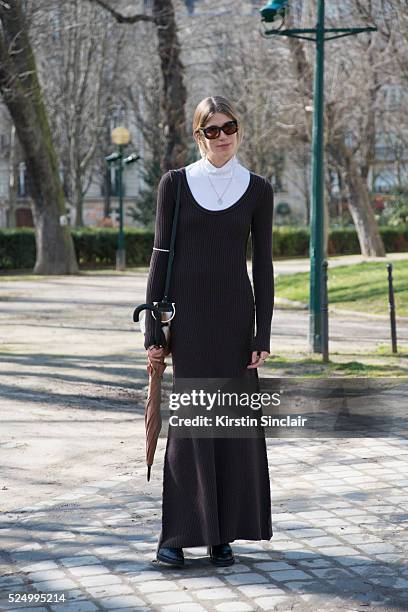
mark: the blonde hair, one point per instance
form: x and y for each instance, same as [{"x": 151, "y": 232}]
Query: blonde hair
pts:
[{"x": 206, "y": 109}]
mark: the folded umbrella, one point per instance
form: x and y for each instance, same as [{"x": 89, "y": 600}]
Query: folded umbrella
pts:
[
  {"x": 155, "y": 368},
  {"x": 153, "y": 422}
]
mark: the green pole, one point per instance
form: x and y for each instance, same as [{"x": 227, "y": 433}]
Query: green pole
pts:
[
  {"x": 120, "y": 255},
  {"x": 269, "y": 12},
  {"x": 317, "y": 208}
]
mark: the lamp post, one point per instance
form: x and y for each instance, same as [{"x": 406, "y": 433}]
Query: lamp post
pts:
[
  {"x": 275, "y": 10},
  {"x": 121, "y": 137}
]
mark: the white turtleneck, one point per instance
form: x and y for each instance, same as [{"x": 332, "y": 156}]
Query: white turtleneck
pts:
[{"x": 200, "y": 173}]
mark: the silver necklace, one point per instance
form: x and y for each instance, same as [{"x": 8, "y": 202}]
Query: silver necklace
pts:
[{"x": 219, "y": 197}]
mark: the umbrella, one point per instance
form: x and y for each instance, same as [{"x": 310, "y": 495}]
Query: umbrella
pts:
[
  {"x": 153, "y": 422},
  {"x": 155, "y": 368}
]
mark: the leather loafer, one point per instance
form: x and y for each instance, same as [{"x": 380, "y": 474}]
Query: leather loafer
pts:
[
  {"x": 221, "y": 554},
  {"x": 171, "y": 556}
]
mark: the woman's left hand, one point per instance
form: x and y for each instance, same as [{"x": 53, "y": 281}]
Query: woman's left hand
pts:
[{"x": 258, "y": 358}]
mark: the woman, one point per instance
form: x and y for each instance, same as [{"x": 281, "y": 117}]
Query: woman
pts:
[{"x": 214, "y": 490}]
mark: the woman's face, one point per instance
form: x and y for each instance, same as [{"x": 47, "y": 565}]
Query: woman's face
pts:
[{"x": 221, "y": 149}]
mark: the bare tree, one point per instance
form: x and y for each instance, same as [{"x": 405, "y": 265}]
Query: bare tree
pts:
[
  {"x": 347, "y": 111},
  {"x": 145, "y": 106},
  {"x": 393, "y": 29},
  {"x": 173, "y": 90},
  {"x": 77, "y": 46},
  {"x": 22, "y": 94}
]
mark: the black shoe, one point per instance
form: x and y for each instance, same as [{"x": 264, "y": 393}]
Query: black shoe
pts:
[
  {"x": 221, "y": 554},
  {"x": 172, "y": 556}
]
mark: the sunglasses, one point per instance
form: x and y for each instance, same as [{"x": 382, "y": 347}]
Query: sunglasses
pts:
[{"x": 213, "y": 131}]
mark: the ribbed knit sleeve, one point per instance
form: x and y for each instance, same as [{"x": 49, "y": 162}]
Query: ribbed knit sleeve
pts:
[
  {"x": 159, "y": 259},
  {"x": 262, "y": 268}
]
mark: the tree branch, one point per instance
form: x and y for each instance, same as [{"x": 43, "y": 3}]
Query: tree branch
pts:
[{"x": 123, "y": 18}]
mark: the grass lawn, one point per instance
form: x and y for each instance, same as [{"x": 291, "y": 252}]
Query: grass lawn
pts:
[
  {"x": 374, "y": 364},
  {"x": 362, "y": 287}
]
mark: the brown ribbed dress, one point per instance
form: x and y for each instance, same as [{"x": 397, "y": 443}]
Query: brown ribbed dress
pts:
[{"x": 214, "y": 490}]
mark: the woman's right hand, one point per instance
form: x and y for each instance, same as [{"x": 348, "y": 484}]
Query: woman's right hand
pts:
[{"x": 156, "y": 352}]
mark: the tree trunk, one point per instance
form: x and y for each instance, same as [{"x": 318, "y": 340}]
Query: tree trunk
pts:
[
  {"x": 174, "y": 95},
  {"x": 13, "y": 178},
  {"x": 77, "y": 195},
  {"x": 326, "y": 224},
  {"x": 22, "y": 94},
  {"x": 371, "y": 243},
  {"x": 106, "y": 194}
]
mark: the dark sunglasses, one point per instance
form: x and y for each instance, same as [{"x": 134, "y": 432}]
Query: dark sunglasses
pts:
[{"x": 213, "y": 131}]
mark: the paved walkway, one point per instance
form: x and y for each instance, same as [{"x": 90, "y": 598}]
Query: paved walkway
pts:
[
  {"x": 340, "y": 540},
  {"x": 80, "y": 521}
]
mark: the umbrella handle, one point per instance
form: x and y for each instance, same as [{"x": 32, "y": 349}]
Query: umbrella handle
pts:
[
  {"x": 142, "y": 307},
  {"x": 160, "y": 338}
]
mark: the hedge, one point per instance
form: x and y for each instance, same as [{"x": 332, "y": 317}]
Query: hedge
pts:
[{"x": 96, "y": 247}]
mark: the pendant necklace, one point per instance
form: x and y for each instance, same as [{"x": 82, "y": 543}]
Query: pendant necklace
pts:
[{"x": 219, "y": 197}]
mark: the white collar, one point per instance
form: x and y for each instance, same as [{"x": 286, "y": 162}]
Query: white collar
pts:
[{"x": 221, "y": 171}]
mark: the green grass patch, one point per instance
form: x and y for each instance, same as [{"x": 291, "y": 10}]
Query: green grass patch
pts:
[
  {"x": 362, "y": 287},
  {"x": 312, "y": 367}
]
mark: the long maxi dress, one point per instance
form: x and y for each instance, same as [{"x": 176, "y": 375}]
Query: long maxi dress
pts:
[{"x": 214, "y": 490}]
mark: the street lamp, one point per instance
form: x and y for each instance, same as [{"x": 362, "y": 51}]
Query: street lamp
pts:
[
  {"x": 121, "y": 137},
  {"x": 277, "y": 8}
]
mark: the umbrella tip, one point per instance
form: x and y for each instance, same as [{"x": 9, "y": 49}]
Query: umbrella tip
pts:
[{"x": 148, "y": 472}]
